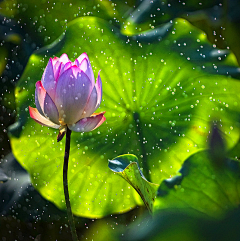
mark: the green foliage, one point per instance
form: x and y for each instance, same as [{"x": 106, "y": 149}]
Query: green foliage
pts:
[
  {"x": 200, "y": 203},
  {"x": 204, "y": 186},
  {"x": 159, "y": 105},
  {"x": 127, "y": 167},
  {"x": 207, "y": 183}
]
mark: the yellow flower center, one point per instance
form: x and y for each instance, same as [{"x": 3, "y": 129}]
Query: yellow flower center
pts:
[{"x": 62, "y": 128}]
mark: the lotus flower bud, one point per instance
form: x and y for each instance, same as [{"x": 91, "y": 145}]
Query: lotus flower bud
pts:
[{"x": 67, "y": 96}]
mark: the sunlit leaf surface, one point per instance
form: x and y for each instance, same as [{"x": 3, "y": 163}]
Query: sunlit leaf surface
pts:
[{"x": 159, "y": 106}]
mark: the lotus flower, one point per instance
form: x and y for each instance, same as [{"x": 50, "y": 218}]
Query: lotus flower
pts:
[{"x": 67, "y": 96}]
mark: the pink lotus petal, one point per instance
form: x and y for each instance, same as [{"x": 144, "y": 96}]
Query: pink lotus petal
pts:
[
  {"x": 89, "y": 123},
  {"x": 99, "y": 90},
  {"x": 64, "y": 58},
  {"x": 94, "y": 99},
  {"x": 44, "y": 104},
  {"x": 48, "y": 80},
  {"x": 58, "y": 70},
  {"x": 67, "y": 65},
  {"x": 75, "y": 70},
  {"x": 55, "y": 60},
  {"x": 86, "y": 67},
  {"x": 72, "y": 95},
  {"x": 101, "y": 121},
  {"x": 81, "y": 57},
  {"x": 76, "y": 62},
  {"x": 35, "y": 115},
  {"x": 50, "y": 110},
  {"x": 91, "y": 103},
  {"x": 56, "y": 65},
  {"x": 40, "y": 94}
]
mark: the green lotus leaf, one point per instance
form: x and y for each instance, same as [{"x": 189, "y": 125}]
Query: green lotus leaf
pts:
[
  {"x": 159, "y": 106},
  {"x": 127, "y": 167},
  {"x": 206, "y": 184}
]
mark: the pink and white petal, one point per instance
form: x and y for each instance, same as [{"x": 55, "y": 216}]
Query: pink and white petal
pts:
[
  {"x": 35, "y": 115},
  {"x": 55, "y": 60},
  {"x": 40, "y": 94},
  {"x": 50, "y": 110},
  {"x": 67, "y": 65},
  {"x": 86, "y": 67},
  {"x": 89, "y": 123},
  {"x": 76, "y": 62},
  {"x": 101, "y": 121},
  {"x": 37, "y": 103},
  {"x": 45, "y": 104},
  {"x": 72, "y": 95},
  {"x": 64, "y": 58},
  {"x": 48, "y": 79},
  {"x": 76, "y": 70},
  {"x": 91, "y": 103},
  {"x": 99, "y": 90},
  {"x": 62, "y": 69},
  {"x": 58, "y": 70},
  {"x": 55, "y": 64},
  {"x": 81, "y": 57}
]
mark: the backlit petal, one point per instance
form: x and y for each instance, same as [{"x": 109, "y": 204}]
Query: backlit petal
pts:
[
  {"x": 76, "y": 70},
  {"x": 48, "y": 80},
  {"x": 50, "y": 110},
  {"x": 40, "y": 93},
  {"x": 86, "y": 67},
  {"x": 76, "y": 62},
  {"x": 89, "y": 123},
  {"x": 99, "y": 90},
  {"x": 91, "y": 104},
  {"x": 35, "y": 115},
  {"x": 55, "y": 60},
  {"x": 64, "y": 58},
  {"x": 72, "y": 95},
  {"x": 95, "y": 98},
  {"x": 58, "y": 70},
  {"x": 44, "y": 104},
  {"x": 81, "y": 57},
  {"x": 67, "y": 65}
]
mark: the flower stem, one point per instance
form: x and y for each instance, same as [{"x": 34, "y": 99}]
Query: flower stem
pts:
[{"x": 65, "y": 186}]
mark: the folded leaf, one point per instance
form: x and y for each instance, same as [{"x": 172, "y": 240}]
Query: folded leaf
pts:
[{"x": 127, "y": 167}]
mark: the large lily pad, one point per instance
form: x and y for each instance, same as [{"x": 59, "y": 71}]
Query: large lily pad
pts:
[{"x": 159, "y": 105}]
